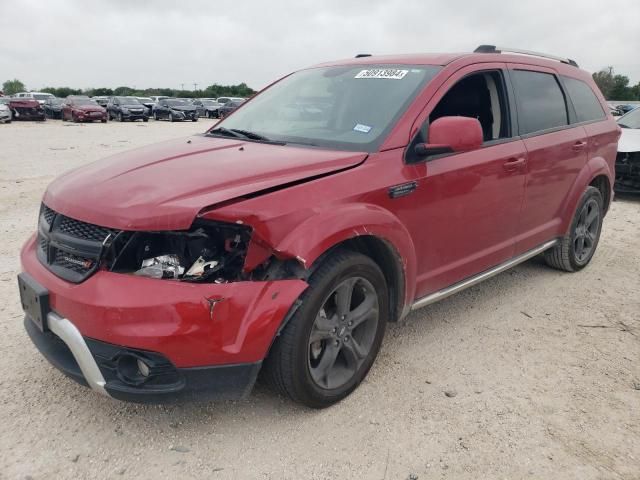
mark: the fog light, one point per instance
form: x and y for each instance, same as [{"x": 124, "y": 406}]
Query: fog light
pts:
[
  {"x": 132, "y": 369},
  {"x": 143, "y": 368}
]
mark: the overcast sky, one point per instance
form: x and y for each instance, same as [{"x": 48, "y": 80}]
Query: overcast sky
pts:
[{"x": 164, "y": 43}]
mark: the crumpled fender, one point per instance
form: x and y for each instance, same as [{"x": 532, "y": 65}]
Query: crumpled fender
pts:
[
  {"x": 594, "y": 167},
  {"x": 306, "y": 235}
]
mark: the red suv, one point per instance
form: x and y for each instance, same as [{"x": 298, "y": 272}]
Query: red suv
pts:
[{"x": 284, "y": 239}]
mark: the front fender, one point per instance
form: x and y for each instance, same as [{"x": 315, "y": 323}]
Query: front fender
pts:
[
  {"x": 595, "y": 167},
  {"x": 326, "y": 229}
]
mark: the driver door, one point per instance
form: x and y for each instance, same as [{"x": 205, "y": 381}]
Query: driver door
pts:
[{"x": 467, "y": 205}]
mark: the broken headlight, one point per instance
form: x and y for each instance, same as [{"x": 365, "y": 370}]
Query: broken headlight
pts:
[{"x": 209, "y": 252}]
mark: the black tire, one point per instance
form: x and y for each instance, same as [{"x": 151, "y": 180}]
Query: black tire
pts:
[
  {"x": 194, "y": 119},
  {"x": 288, "y": 365},
  {"x": 145, "y": 119},
  {"x": 171, "y": 119},
  {"x": 155, "y": 116},
  {"x": 567, "y": 255},
  {"x": 120, "y": 117}
]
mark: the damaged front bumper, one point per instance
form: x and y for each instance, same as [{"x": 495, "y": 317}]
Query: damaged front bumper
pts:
[
  {"x": 199, "y": 340},
  {"x": 627, "y": 172}
]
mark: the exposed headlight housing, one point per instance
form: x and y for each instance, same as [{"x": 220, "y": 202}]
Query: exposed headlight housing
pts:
[{"x": 208, "y": 252}]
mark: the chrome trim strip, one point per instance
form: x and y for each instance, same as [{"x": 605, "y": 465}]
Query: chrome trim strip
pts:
[
  {"x": 70, "y": 335},
  {"x": 471, "y": 281}
]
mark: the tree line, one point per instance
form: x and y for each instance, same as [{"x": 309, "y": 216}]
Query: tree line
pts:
[
  {"x": 613, "y": 86},
  {"x": 616, "y": 87},
  {"x": 214, "y": 91}
]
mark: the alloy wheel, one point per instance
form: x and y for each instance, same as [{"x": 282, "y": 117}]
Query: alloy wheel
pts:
[
  {"x": 343, "y": 333},
  {"x": 586, "y": 230}
]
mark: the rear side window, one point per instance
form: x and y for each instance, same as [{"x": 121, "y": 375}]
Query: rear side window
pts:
[
  {"x": 585, "y": 102},
  {"x": 540, "y": 101}
]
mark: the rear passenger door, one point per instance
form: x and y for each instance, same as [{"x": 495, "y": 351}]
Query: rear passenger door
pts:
[{"x": 556, "y": 152}]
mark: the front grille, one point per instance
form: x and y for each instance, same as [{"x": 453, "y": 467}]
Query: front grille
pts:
[
  {"x": 76, "y": 263},
  {"x": 70, "y": 248},
  {"x": 83, "y": 230}
]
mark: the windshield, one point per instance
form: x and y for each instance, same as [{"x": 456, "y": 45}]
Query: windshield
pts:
[
  {"x": 55, "y": 101},
  {"x": 41, "y": 96},
  {"x": 127, "y": 101},
  {"x": 83, "y": 101},
  {"x": 177, "y": 103},
  {"x": 631, "y": 119},
  {"x": 208, "y": 103},
  {"x": 344, "y": 107},
  {"x": 145, "y": 100}
]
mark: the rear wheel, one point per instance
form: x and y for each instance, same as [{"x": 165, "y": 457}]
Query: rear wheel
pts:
[
  {"x": 575, "y": 250},
  {"x": 333, "y": 338},
  {"x": 171, "y": 119},
  {"x": 155, "y": 116}
]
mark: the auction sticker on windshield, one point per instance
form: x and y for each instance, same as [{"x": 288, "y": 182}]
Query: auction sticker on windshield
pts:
[{"x": 390, "y": 73}]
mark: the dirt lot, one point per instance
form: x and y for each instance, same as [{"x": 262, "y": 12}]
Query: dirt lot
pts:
[{"x": 542, "y": 368}]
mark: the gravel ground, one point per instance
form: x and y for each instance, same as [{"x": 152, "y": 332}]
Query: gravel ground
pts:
[{"x": 532, "y": 374}]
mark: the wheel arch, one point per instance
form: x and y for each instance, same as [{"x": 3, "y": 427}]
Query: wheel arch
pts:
[{"x": 595, "y": 173}]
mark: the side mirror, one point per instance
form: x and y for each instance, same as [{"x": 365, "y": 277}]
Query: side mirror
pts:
[{"x": 451, "y": 135}]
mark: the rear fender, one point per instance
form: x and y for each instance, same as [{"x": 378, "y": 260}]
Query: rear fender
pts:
[{"x": 595, "y": 167}]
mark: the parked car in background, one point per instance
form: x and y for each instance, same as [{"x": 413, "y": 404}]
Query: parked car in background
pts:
[
  {"x": 26, "y": 108},
  {"x": 626, "y": 108},
  {"x": 614, "y": 111},
  {"x": 80, "y": 108},
  {"x": 53, "y": 107},
  {"x": 147, "y": 102},
  {"x": 229, "y": 107},
  {"x": 127, "y": 108},
  {"x": 155, "y": 99},
  {"x": 207, "y": 107},
  {"x": 175, "y": 109},
  {"x": 628, "y": 159},
  {"x": 229, "y": 99},
  {"x": 5, "y": 111},
  {"x": 39, "y": 96},
  {"x": 101, "y": 100}
]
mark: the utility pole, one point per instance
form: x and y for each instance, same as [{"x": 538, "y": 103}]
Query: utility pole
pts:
[
  {"x": 195, "y": 86},
  {"x": 182, "y": 86}
]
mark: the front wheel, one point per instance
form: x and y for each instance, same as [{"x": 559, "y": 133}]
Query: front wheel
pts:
[
  {"x": 575, "y": 250},
  {"x": 120, "y": 117},
  {"x": 333, "y": 338},
  {"x": 171, "y": 119}
]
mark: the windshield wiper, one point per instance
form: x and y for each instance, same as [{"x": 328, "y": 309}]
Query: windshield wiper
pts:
[
  {"x": 226, "y": 132},
  {"x": 238, "y": 133},
  {"x": 251, "y": 135}
]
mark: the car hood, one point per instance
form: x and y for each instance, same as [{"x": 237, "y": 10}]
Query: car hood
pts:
[
  {"x": 629, "y": 140},
  {"x": 165, "y": 186},
  {"x": 183, "y": 108}
]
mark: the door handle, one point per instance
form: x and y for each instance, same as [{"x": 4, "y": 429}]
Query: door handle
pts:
[
  {"x": 578, "y": 146},
  {"x": 514, "y": 163}
]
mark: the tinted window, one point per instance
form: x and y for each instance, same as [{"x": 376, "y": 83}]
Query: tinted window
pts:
[
  {"x": 584, "y": 100},
  {"x": 540, "y": 101}
]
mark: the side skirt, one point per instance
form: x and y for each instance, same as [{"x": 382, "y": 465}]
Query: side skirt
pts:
[{"x": 471, "y": 281}]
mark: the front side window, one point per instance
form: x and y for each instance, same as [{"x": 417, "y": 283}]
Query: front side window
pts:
[
  {"x": 481, "y": 96},
  {"x": 585, "y": 102},
  {"x": 540, "y": 101},
  {"x": 343, "y": 107}
]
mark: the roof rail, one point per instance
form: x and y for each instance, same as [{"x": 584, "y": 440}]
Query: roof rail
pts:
[
  {"x": 361, "y": 55},
  {"x": 494, "y": 49}
]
